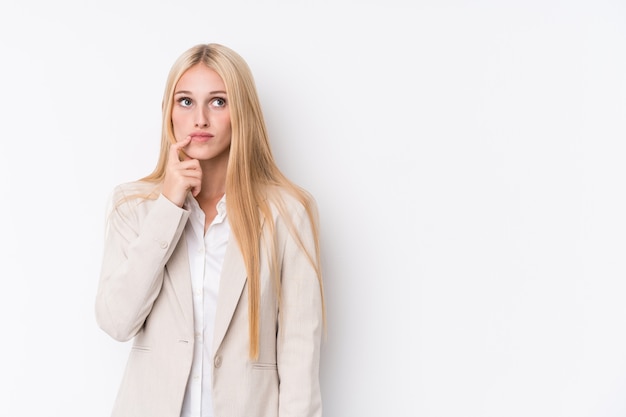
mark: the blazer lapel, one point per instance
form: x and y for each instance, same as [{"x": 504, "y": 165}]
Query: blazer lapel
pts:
[
  {"x": 232, "y": 281},
  {"x": 180, "y": 277}
]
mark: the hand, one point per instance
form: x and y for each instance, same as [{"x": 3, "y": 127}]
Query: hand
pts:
[{"x": 181, "y": 176}]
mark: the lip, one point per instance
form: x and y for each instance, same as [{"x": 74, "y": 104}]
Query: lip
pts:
[{"x": 200, "y": 136}]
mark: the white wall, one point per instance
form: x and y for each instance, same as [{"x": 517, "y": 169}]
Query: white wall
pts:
[{"x": 467, "y": 159}]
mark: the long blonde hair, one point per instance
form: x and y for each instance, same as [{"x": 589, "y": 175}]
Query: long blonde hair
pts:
[{"x": 251, "y": 171}]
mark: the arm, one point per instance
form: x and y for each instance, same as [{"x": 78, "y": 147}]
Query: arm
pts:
[
  {"x": 138, "y": 242},
  {"x": 300, "y": 327}
]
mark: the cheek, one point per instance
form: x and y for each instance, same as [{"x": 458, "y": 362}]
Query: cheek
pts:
[
  {"x": 177, "y": 121},
  {"x": 225, "y": 122}
]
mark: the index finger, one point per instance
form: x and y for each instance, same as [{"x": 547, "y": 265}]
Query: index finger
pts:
[{"x": 176, "y": 149}]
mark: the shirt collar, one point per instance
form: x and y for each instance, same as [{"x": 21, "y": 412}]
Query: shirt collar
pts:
[{"x": 192, "y": 204}]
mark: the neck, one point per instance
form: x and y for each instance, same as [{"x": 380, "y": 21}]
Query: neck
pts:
[{"x": 213, "y": 179}]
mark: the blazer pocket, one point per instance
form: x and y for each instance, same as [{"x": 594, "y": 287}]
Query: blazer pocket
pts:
[
  {"x": 264, "y": 366},
  {"x": 140, "y": 348}
]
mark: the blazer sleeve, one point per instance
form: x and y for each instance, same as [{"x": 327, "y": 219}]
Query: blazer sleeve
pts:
[
  {"x": 140, "y": 236},
  {"x": 300, "y": 326}
]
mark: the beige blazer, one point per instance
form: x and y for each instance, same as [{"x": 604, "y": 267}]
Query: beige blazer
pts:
[{"x": 144, "y": 294}]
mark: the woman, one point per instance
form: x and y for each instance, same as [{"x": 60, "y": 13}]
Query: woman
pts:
[{"x": 211, "y": 262}]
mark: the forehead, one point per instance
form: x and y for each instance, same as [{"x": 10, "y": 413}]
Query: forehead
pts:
[{"x": 200, "y": 79}]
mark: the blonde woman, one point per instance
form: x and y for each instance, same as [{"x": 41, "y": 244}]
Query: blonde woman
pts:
[{"x": 211, "y": 263}]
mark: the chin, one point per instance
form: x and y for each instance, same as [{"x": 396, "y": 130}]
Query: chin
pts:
[{"x": 206, "y": 156}]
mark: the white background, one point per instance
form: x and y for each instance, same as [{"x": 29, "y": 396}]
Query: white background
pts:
[{"x": 468, "y": 159}]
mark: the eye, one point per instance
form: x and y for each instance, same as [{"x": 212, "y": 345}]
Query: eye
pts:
[
  {"x": 184, "y": 101},
  {"x": 218, "y": 102}
]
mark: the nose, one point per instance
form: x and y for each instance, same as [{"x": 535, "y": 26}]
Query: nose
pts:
[{"x": 202, "y": 119}]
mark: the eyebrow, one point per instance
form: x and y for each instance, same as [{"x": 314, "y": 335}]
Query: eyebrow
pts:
[{"x": 189, "y": 92}]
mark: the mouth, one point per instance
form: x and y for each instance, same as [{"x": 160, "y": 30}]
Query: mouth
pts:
[{"x": 200, "y": 137}]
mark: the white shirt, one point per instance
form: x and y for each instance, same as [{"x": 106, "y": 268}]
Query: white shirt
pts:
[{"x": 206, "y": 256}]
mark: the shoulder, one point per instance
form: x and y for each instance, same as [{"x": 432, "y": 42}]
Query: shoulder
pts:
[
  {"x": 294, "y": 200},
  {"x": 138, "y": 188},
  {"x": 126, "y": 197},
  {"x": 134, "y": 192},
  {"x": 292, "y": 207}
]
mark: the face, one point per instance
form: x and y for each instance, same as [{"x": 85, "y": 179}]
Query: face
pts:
[{"x": 201, "y": 111}]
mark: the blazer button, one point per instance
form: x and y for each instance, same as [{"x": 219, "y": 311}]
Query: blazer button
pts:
[{"x": 218, "y": 361}]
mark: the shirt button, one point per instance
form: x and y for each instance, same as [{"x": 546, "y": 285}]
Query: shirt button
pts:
[
  {"x": 163, "y": 244},
  {"x": 218, "y": 361}
]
